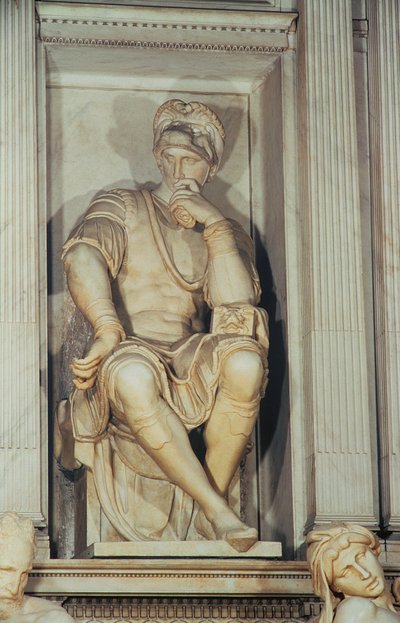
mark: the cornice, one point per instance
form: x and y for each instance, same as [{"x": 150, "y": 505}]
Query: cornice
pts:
[
  {"x": 164, "y": 28},
  {"x": 169, "y": 577},
  {"x": 184, "y": 589},
  {"x": 236, "y": 5},
  {"x": 179, "y": 576}
]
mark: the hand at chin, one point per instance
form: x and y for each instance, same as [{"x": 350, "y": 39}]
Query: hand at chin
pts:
[{"x": 182, "y": 217}]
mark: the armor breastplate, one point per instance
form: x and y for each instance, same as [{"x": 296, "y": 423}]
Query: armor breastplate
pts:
[{"x": 150, "y": 289}]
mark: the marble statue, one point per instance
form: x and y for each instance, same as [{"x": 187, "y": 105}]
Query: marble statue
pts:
[
  {"x": 17, "y": 547},
  {"x": 145, "y": 269},
  {"x": 347, "y": 575}
]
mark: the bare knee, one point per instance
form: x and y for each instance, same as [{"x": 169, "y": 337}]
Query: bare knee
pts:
[
  {"x": 242, "y": 374},
  {"x": 136, "y": 386}
]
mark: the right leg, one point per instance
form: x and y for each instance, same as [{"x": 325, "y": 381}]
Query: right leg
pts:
[{"x": 162, "y": 435}]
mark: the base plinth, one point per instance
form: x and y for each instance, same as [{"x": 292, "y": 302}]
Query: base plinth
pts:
[{"x": 179, "y": 549}]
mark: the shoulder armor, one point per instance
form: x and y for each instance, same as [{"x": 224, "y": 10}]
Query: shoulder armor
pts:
[{"x": 112, "y": 204}]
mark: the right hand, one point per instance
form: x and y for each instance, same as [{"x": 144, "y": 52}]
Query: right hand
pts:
[
  {"x": 188, "y": 206},
  {"x": 85, "y": 370}
]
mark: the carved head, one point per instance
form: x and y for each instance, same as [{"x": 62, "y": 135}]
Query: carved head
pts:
[
  {"x": 16, "y": 554},
  {"x": 192, "y": 127},
  {"x": 344, "y": 562}
]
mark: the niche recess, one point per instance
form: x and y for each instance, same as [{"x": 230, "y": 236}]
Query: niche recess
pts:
[{"x": 106, "y": 70}]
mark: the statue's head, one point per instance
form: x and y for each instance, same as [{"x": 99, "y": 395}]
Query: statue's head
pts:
[
  {"x": 344, "y": 562},
  {"x": 17, "y": 548},
  {"x": 191, "y": 129}
]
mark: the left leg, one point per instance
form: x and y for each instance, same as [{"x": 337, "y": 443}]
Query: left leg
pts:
[
  {"x": 230, "y": 426},
  {"x": 233, "y": 417}
]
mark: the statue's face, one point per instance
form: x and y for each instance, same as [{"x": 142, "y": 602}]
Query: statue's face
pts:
[
  {"x": 15, "y": 563},
  {"x": 357, "y": 572},
  {"x": 177, "y": 163}
]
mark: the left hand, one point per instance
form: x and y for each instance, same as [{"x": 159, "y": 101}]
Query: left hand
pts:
[
  {"x": 85, "y": 369},
  {"x": 189, "y": 207}
]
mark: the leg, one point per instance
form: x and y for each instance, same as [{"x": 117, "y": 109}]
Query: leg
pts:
[
  {"x": 233, "y": 417},
  {"x": 162, "y": 435},
  {"x": 231, "y": 423}
]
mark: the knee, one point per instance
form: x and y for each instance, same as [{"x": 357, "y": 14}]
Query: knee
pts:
[
  {"x": 242, "y": 374},
  {"x": 135, "y": 385}
]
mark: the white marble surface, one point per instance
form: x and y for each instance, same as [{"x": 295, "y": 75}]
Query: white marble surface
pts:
[{"x": 23, "y": 429}]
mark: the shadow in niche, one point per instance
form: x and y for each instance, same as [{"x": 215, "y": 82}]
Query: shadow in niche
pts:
[
  {"x": 274, "y": 395},
  {"x": 66, "y": 487},
  {"x": 273, "y": 424}
]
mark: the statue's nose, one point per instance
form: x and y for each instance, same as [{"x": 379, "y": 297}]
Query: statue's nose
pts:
[
  {"x": 364, "y": 573},
  {"x": 178, "y": 172}
]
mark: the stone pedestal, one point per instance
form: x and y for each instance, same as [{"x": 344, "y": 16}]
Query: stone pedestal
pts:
[{"x": 184, "y": 549}]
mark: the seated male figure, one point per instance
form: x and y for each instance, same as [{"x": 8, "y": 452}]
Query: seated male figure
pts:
[{"x": 144, "y": 269}]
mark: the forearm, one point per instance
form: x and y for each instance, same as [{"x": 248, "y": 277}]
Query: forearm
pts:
[
  {"x": 229, "y": 281},
  {"x": 89, "y": 284}
]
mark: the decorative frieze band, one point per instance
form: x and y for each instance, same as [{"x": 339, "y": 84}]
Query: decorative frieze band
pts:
[
  {"x": 167, "y": 26},
  {"x": 164, "y": 45},
  {"x": 160, "y": 610}
]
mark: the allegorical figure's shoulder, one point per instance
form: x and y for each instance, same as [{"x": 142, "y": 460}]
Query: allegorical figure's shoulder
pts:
[
  {"x": 355, "y": 610},
  {"x": 36, "y": 610}
]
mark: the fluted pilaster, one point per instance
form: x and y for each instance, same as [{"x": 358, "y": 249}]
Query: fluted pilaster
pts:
[
  {"x": 384, "y": 81},
  {"x": 340, "y": 438},
  {"x": 22, "y": 458}
]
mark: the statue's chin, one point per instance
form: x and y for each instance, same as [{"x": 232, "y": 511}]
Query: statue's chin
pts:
[{"x": 9, "y": 607}]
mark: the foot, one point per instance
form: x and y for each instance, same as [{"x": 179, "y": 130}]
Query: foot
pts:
[
  {"x": 204, "y": 527},
  {"x": 229, "y": 528},
  {"x": 241, "y": 539}
]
